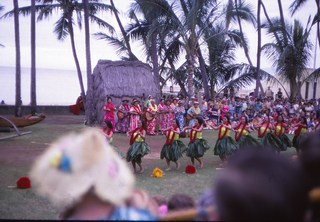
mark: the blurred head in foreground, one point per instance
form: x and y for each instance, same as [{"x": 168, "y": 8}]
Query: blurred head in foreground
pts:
[
  {"x": 82, "y": 171},
  {"x": 310, "y": 159},
  {"x": 260, "y": 185}
]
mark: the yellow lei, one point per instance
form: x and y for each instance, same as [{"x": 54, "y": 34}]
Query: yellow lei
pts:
[
  {"x": 244, "y": 132},
  {"x": 223, "y": 130},
  {"x": 138, "y": 139},
  {"x": 303, "y": 130},
  {"x": 176, "y": 135},
  {"x": 262, "y": 129},
  {"x": 198, "y": 134},
  {"x": 279, "y": 130}
]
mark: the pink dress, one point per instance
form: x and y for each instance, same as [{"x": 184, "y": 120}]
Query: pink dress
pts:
[
  {"x": 109, "y": 115},
  {"x": 134, "y": 118},
  {"x": 123, "y": 123}
]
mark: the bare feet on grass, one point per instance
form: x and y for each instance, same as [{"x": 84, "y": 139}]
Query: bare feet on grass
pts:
[{"x": 178, "y": 165}]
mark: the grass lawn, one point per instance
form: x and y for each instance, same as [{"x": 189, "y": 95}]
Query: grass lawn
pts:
[{"x": 17, "y": 155}]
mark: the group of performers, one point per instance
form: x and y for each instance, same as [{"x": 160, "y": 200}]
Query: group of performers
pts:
[{"x": 271, "y": 134}]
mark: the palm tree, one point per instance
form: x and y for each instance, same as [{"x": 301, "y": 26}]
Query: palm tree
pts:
[
  {"x": 297, "y": 4},
  {"x": 1, "y": 9},
  {"x": 290, "y": 54},
  {"x": 88, "y": 101},
  {"x": 18, "y": 101},
  {"x": 238, "y": 12},
  {"x": 126, "y": 39},
  {"x": 258, "y": 83},
  {"x": 64, "y": 25},
  {"x": 33, "y": 96}
]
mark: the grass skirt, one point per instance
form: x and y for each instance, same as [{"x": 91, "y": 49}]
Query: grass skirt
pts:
[
  {"x": 173, "y": 151},
  {"x": 197, "y": 148},
  {"x": 285, "y": 142},
  {"x": 272, "y": 141},
  {"x": 248, "y": 140},
  {"x": 296, "y": 141},
  {"x": 225, "y": 147},
  {"x": 137, "y": 150}
]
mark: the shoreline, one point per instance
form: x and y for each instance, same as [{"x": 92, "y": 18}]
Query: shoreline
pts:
[{"x": 46, "y": 109}]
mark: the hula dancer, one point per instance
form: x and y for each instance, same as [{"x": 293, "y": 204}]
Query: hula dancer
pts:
[
  {"x": 197, "y": 145},
  {"x": 225, "y": 145},
  {"x": 173, "y": 149},
  {"x": 138, "y": 147},
  {"x": 242, "y": 134},
  {"x": 299, "y": 133},
  {"x": 266, "y": 137},
  {"x": 280, "y": 132},
  {"x": 108, "y": 133}
]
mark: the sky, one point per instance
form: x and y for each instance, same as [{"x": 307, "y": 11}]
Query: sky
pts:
[{"x": 55, "y": 54}]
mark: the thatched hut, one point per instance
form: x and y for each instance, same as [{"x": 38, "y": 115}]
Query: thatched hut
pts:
[{"x": 119, "y": 79}]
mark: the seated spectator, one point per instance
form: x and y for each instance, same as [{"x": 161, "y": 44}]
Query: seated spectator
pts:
[
  {"x": 82, "y": 174},
  {"x": 180, "y": 201},
  {"x": 252, "y": 189}
]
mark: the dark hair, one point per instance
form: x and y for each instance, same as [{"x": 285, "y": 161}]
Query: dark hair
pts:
[
  {"x": 109, "y": 97},
  {"x": 252, "y": 189},
  {"x": 200, "y": 120},
  {"x": 280, "y": 116},
  {"x": 246, "y": 118},
  {"x": 177, "y": 122},
  {"x": 180, "y": 201},
  {"x": 304, "y": 119},
  {"x": 228, "y": 118},
  {"x": 109, "y": 124}
]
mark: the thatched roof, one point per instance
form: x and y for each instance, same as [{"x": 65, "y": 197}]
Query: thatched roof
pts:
[{"x": 120, "y": 79}]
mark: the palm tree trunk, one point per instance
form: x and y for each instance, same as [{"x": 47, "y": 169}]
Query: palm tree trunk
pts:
[
  {"x": 18, "y": 101},
  {"x": 318, "y": 22},
  {"x": 245, "y": 48},
  {"x": 203, "y": 72},
  {"x": 258, "y": 50},
  {"x": 75, "y": 56},
  {"x": 88, "y": 100},
  {"x": 154, "y": 58},
  {"x": 294, "y": 88},
  {"x": 33, "y": 92},
  {"x": 190, "y": 73},
  {"x": 282, "y": 22}
]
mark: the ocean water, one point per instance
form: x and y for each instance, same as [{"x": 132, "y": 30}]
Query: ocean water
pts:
[{"x": 53, "y": 86}]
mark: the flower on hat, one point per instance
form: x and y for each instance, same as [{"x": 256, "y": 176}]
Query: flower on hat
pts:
[
  {"x": 157, "y": 172},
  {"x": 190, "y": 169},
  {"x": 23, "y": 182}
]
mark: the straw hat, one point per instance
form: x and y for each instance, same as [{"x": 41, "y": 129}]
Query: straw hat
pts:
[
  {"x": 125, "y": 99},
  {"x": 78, "y": 162},
  {"x": 134, "y": 100}
]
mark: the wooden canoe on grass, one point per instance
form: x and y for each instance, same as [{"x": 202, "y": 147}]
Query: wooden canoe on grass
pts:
[{"x": 21, "y": 121}]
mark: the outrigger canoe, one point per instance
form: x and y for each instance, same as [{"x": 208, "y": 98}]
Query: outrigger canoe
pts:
[{"x": 21, "y": 121}]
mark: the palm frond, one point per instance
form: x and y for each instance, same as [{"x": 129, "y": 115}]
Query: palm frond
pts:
[
  {"x": 61, "y": 28},
  {"x": 115, "y": 42},
  {"x": 102, "y": 23},
  {"x": 296, "y": 4}
]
